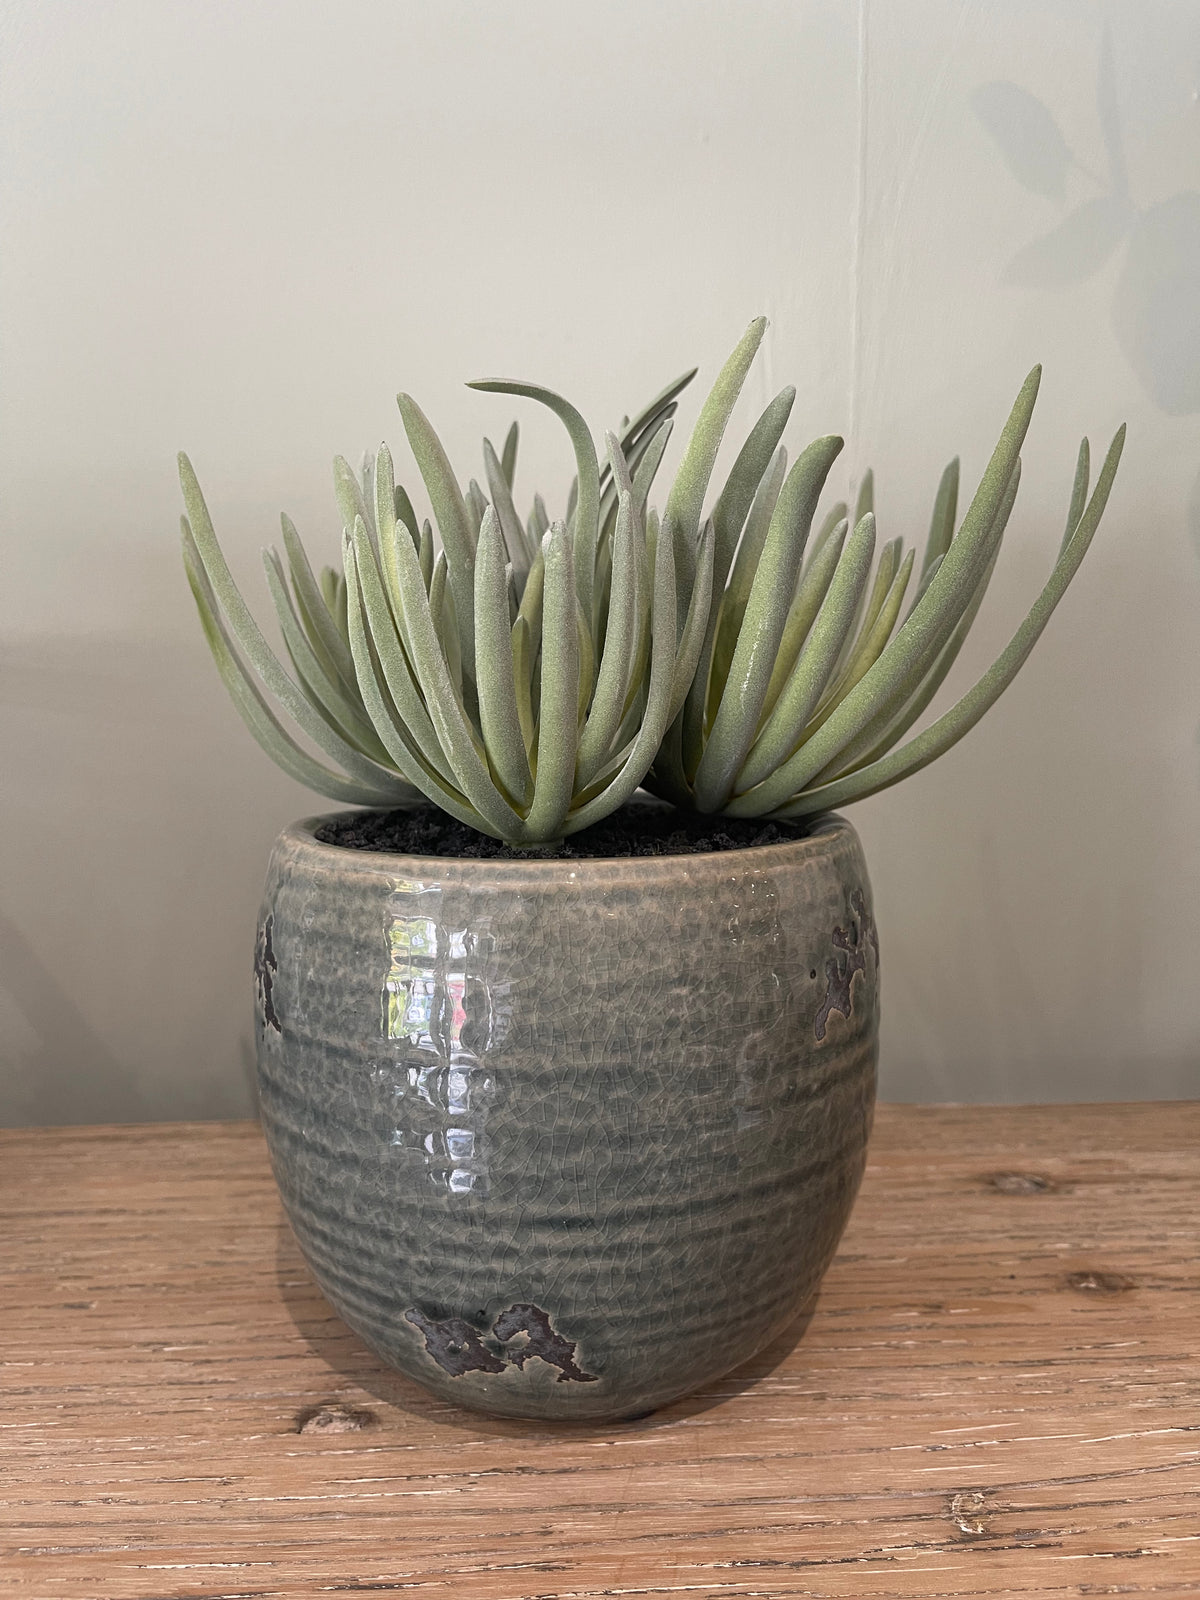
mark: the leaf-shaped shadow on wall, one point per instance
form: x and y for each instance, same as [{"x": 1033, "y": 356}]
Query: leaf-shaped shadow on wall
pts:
[
  {"x": 1027, "y": 135},
  {"x": 1156, "y": 309},
  {"x": 1156, "y": 302},
  {"x": 1077, "y": 247}
]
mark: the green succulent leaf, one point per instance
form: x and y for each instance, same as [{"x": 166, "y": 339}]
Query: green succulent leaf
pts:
[
  {"x": 452, "y": 516},
  {"x": 686, "y": 499},
  {"x": 651, "y": 417},
  {"x": 386, "y": 677},
  {"x": 784, "y": 728},
  {"x": 630, "y": 765},
  {"x": 815, "y": 579},
  {"x": 736, "y": 596},
  {"x": 558, "y": 721},
  {"x": 508, "y": 457},
  {"x": 898, "y": 712},
  {"x": 405, "y": 511},
  {"x": 318, "y": 612},
  {"x": 460, "y": 741},
  {"x": 228, "y": 603},
  {"x": 617, "y": 656},
  {"x": 941, "y": 526},
  {"x": 762, "y": 626},
  {"x": 344, "y": 713},
  {"x": 379, "y": 680},
  {"x": 350, "y": 498},
  {"x": 254, "y": 710},
  {"x": 1079, "y": 491},
  {"x": 500, "y": 722},
  {"x": 515, "y": 541},
  {"x": 587, "y": 512}
]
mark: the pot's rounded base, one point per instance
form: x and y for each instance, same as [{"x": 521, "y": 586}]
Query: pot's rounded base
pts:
[{"x": 568, "y": 1139}]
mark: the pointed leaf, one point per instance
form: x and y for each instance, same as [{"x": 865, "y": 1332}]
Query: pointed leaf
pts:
[
  {"x": 636, "y": 763},
  {"x": 799, "y": 696},
  {"x": 510, "y": 522},
  {"x": 343, "y": 712},
  {"x": 736, "y": 720},
  {"x": 508, "y": 458},
  {"x": 558, "y": 724},
  {"x": 1079, "y": 491},
  {"x": 616, "y": 661},
  {"x": 393, "y": 730},
  {"x": 250, "y": 640},
  {"x": 686, "y": 499},
  {"x": 498, "y": 717},
  {"x": 255, "y": 712},
  {"x": 941, "y": 524},
  {"x": 587, "y": 519},
  {"x": 453, "y": 519}
]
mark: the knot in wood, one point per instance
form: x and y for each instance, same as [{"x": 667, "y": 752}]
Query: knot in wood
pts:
[
  {"x": 1091, "y": 1281},
  {"x": 334, "y": 1416},
  {"x": 965, "y": 1512},
  {"x": 1020, "y": 1182}
]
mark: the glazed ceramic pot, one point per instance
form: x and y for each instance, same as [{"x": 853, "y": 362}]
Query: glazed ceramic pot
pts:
[{"x": 568, "y": 1138}]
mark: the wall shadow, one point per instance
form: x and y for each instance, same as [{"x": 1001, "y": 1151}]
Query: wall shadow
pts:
[{"x": 136, "y": 816}]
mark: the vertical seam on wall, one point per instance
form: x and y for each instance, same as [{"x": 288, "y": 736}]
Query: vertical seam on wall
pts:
[{"x": 860, "y": 182}]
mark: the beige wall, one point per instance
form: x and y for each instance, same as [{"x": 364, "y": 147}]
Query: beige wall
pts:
[{"x": 239, "y": 229}]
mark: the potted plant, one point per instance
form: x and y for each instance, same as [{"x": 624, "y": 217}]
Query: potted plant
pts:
[{"x": 567, "y": 1089}]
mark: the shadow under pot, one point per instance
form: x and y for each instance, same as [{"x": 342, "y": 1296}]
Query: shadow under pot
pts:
[{"x": 568, "y": 1138}]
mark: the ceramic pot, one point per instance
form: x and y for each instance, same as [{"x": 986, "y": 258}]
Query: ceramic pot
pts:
[{"x": 568, "y": 1138}]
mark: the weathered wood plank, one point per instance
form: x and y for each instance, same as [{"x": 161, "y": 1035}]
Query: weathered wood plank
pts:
[{"x": 998, "y": 1394}]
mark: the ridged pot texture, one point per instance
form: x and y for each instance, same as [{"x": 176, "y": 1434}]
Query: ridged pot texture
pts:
[{"x": 568, "y": 1138}]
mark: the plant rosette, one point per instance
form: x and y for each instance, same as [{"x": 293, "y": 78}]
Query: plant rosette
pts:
[{"x": 567, "y": 1088}]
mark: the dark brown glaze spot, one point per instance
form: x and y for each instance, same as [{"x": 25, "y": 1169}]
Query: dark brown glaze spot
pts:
[
  {"x": 455, "y": 1345},
  {"x": 334, "y": 1416},
  {"x": 1094, "y": 1282},
  {"x": 1020, "y": 1182},
  {"x": 265, "y": 968},
  {"x": 543, "y": 1342},
  {"x": 849, "y": 957}
]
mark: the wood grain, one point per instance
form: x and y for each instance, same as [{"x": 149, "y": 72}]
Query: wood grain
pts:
[{"x": 998, "y": 1394}]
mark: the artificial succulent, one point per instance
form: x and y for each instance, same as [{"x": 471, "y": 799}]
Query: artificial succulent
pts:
[{"x": 528, "y": 676}]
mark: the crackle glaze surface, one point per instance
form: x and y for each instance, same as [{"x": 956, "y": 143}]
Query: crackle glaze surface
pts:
[{"x": 568, "y": 1138}]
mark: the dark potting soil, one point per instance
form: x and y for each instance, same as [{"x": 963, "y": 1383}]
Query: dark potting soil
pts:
[{"x": 637, "y": 829}]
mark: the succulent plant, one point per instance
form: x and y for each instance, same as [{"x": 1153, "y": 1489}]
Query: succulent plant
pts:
[
  {"x": 527, "y": 677},
  {"x": 524, "y": 676},
  {"x": 808, "y": 679}
]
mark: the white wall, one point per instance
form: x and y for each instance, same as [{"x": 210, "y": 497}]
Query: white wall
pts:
[{"x": 239, "y": 228}]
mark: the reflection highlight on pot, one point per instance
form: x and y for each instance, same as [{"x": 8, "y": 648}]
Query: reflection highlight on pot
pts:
[{"x": 443, "y": 1014}]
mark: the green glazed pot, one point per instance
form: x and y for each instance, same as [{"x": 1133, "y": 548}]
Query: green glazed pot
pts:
[{"x": 568, "y": 1138}]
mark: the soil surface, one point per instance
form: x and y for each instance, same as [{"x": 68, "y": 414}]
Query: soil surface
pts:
[{"x": 637, "y": 829}]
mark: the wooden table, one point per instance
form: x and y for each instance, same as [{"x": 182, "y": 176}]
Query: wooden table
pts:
[{"x": 998, "y": 1394}]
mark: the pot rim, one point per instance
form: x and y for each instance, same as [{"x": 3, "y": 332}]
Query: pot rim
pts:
[{"x": 828, "y": 830}]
